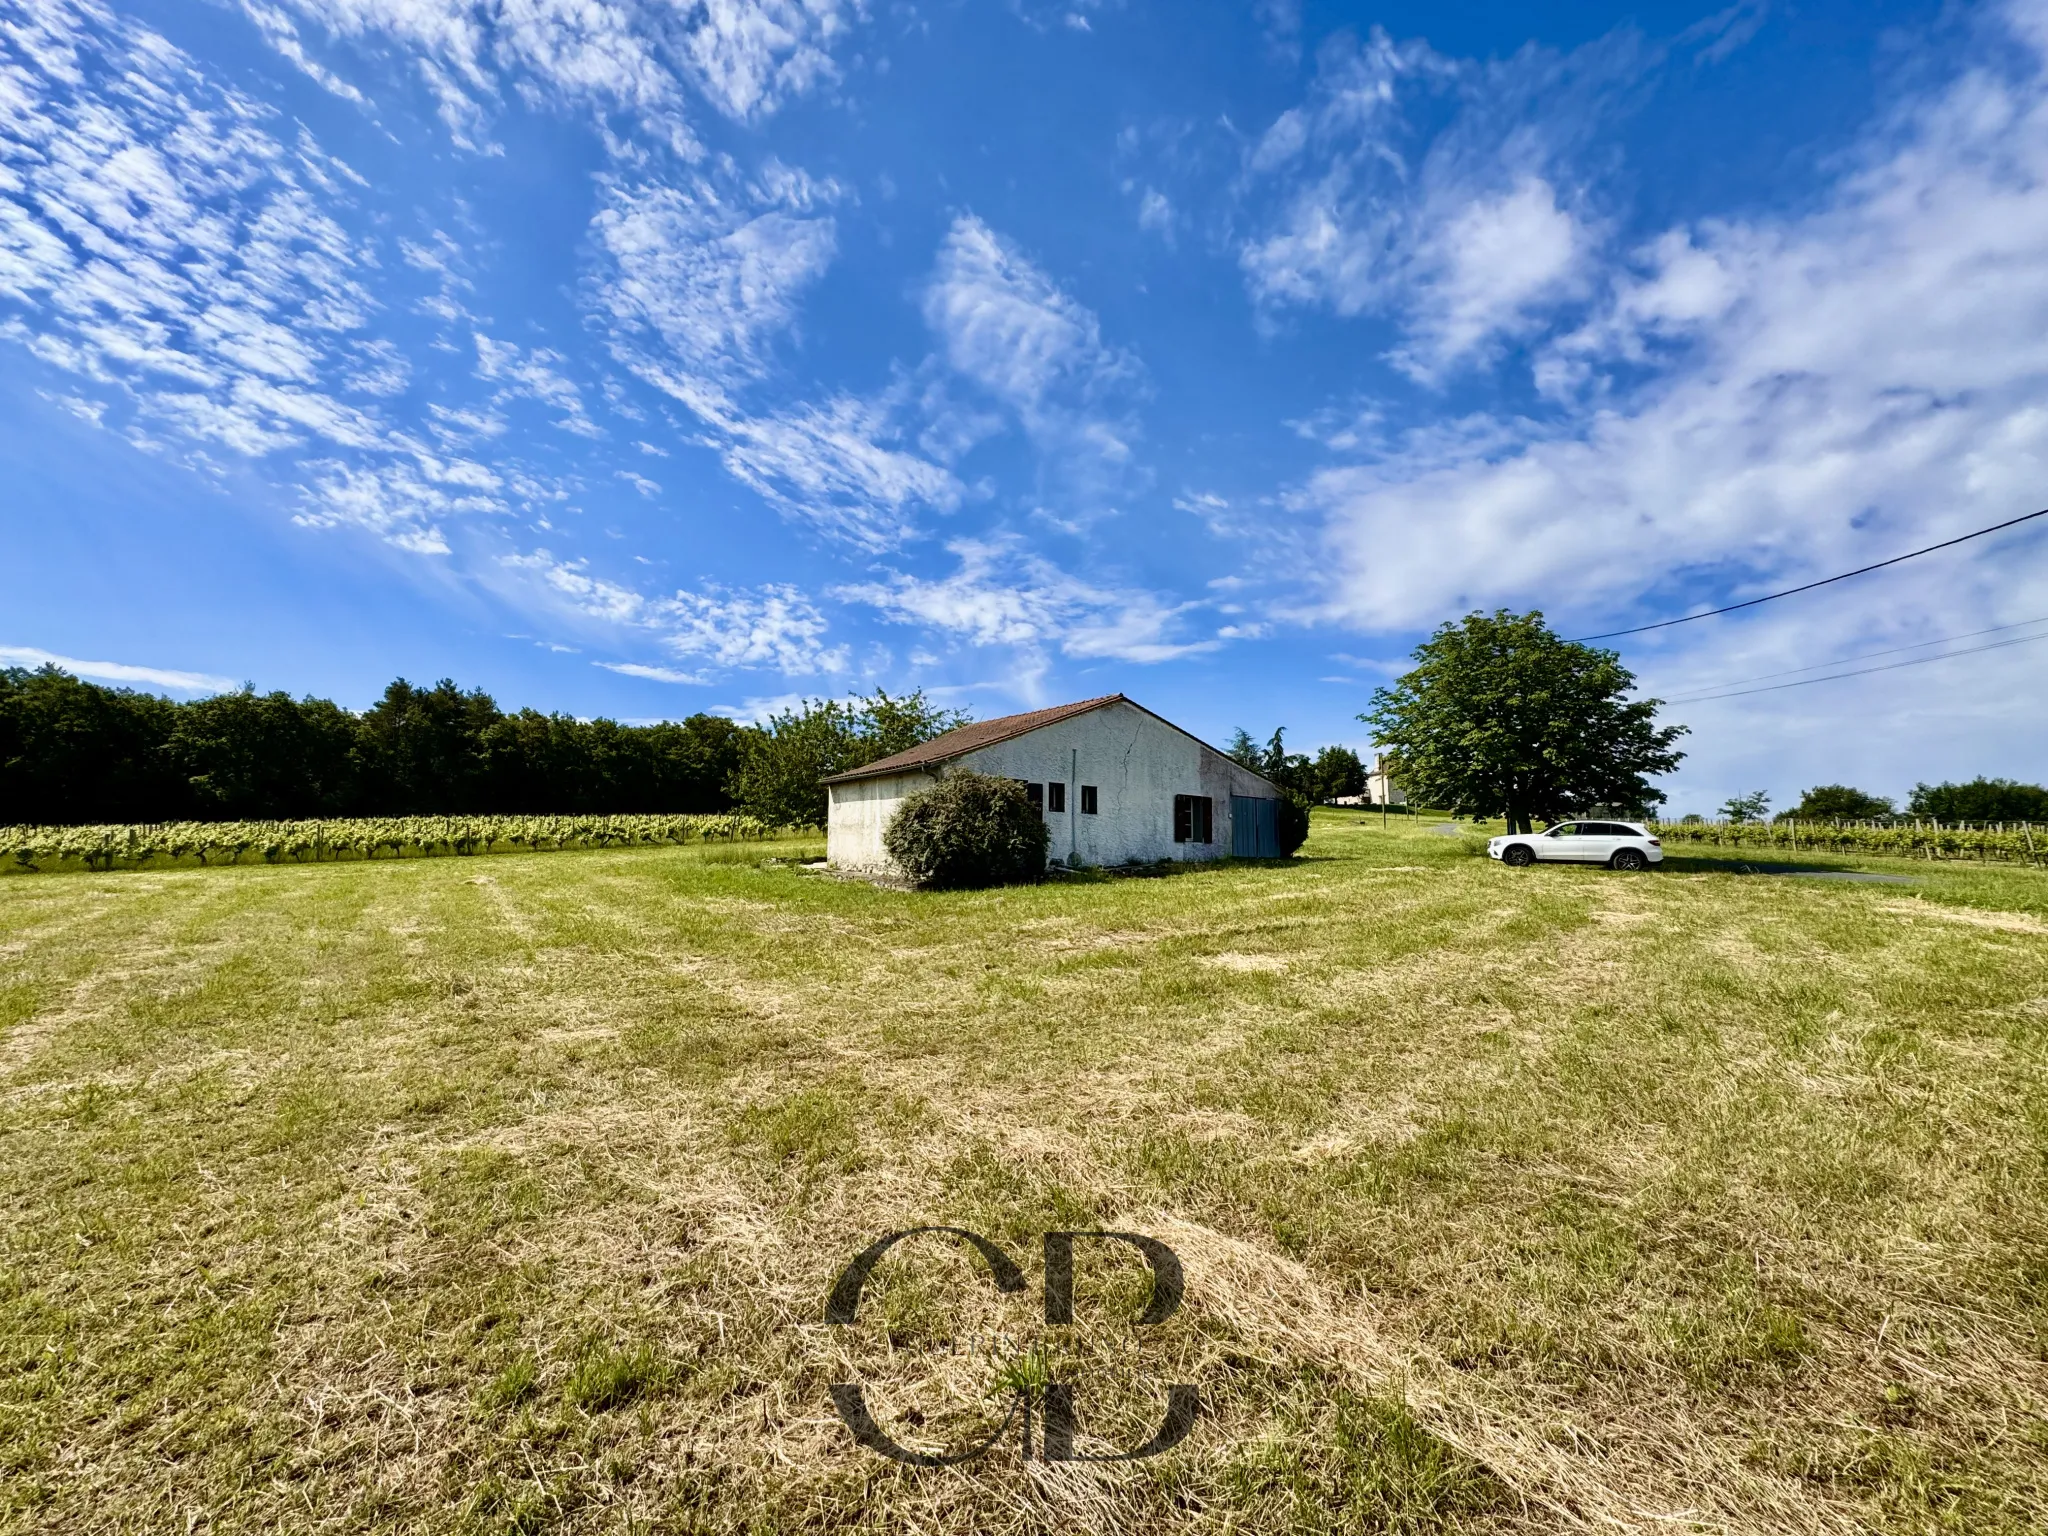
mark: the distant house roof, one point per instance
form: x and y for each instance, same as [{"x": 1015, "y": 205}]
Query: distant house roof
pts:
[{"x": 986, "y": 733}]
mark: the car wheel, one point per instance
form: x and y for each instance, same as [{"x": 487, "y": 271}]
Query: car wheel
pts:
[
  {"x": 1519, "y": 855},
  {"x": 1631, "y": 858}
]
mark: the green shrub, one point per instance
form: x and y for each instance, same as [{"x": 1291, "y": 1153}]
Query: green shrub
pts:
[
  {"x": 1293, "y": 819},
  {"x": 967, "y": 830}
]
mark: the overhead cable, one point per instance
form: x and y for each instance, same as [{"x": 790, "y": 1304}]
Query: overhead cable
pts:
[
  {"x": 1917, "y": 661},
  {"x": 1842, "y": 661},
  {"x": 1771, "y": 597}
]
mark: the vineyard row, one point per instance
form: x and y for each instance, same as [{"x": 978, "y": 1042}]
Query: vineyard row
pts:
[
  {"x": 2016, "y": 842},
  {"x": 29, "y": 849}
]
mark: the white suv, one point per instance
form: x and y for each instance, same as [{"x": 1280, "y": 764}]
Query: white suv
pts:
[{"x": 1617, "y": 844}]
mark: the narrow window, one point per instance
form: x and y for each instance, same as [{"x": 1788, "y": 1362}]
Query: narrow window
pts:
[
  {"x": 1037, "y": 794},
  {"x": 1204, "y": 828},
  {"x": 1055, "y": 797},
  {"x": 1087, "y": 799},
  {"x": 1192, "y": 819}
]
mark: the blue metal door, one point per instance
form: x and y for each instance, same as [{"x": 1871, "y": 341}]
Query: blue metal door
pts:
[{"x": 1254, "y": 827}]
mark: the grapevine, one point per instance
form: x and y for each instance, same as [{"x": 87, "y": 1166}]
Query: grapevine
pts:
[
  {"x": 27, "y": 849},
  {"x": 2013, "y": 842}
]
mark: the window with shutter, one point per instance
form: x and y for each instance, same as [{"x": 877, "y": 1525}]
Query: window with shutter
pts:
[{"x": 1183, "y": 818}]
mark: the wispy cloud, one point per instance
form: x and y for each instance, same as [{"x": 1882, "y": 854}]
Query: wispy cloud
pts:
[
  {"x": 744, "y": 57},
  {"x": 534, "y": 375},
  {"x": 167, "y": 246},
  {"x": 1002, "y": 594},
  {"x": 117, "y": 671},
  {"x": 1003, "y": 323},
  {"x": 700, "y": 283},
  {"x": 715, "y": 277},
  {"x": 1468, "y": 237},
  {"x": 773, "y": 626}
]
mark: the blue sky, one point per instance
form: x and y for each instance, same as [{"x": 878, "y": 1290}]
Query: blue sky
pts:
[{"x": 640, "y": 357}]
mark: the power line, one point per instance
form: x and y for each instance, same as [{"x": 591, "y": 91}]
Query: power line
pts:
[
  {"x": 1826, "y": 581},
  {"x": 1917, "y": 661},
  {"x": 1897, "y": 650}
]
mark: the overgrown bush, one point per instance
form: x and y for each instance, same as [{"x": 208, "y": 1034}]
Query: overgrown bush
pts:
[
  {"x": 969, "y": 829},
  {"x": 1293, "y": 819}
]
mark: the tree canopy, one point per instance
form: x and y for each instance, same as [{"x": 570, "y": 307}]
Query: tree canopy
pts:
[
  {"x": 1500, "y": 717},
  {"x": 1980, "y": 800},
  {"x": 782, "y": 771},
  {"x": 1837, "y": 802},
  {"x": 1754, "y": 806},
  {"x": 73, "y": 751}
]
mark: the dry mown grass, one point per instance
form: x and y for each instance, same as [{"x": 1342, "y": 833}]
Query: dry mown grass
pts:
[{"x": 439, "y": 1196}]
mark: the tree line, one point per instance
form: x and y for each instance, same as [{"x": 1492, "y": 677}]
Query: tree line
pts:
[
  {"x": 73, "y": 752},
  {"x": 1994, "y": 800}
]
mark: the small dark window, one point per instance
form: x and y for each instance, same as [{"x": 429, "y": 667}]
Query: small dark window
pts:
[
  {"x": 1037, "y": 794},
  {"x": 1192, "y": 821},
  {"x": 1055, "y": 797},
  {"x": 1087, "y": 799}
]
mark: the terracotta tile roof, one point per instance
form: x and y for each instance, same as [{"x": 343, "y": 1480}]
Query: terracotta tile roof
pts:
[{"x": 971, "y": 738}]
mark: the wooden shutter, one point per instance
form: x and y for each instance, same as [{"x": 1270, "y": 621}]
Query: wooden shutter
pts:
[{"x": 1183, "y": 818}]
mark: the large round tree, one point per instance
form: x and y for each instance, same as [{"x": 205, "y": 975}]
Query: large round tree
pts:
[{"x": 1502, "y": 718}]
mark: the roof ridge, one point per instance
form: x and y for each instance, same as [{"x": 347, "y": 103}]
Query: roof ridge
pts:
[{"x": 973, "y": 736}]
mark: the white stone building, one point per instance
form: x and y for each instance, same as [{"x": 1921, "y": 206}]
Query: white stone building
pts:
[
  {"x": 1380, "y": 788},
  {"x": 1116, "y": 783}
]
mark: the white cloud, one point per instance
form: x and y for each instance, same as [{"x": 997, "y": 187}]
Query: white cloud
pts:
[
  {"x": 655, "y": 674},
  {"x": 714, "y": 278},
  {"x": 1009, "y": 327},
  {"x": 834, "y": 466},
  {"x": 1002, "y": 594},
  {"x": 165, "y": 244},
  {"x": 773, "y": 625},
  {"x": 748, "y": 56},
  {"x": 534, "y": 375},
  {"x": 397, "y": 502},
  {"x": 1758, "y": 402},
  {"x": 743, "y": 56},
  {"x": 117, "y": 671},
  {"x": 770, "y": 626},
  {"x": 163, "y": 240},
  {"x": 1006, "y": 325},
  {"x": 1155, "y": 212},
  {"x": 700, "y": 284},
  {"x": 1467, "y": 240}
]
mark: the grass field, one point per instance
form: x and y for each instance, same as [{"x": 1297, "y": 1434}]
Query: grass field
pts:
[{"x": 505, "y": 1194}]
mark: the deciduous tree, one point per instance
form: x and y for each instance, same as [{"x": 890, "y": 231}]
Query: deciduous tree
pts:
[
  {"x": 1500, "y": 717},
  {"x": 1836, "y": 802}
]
